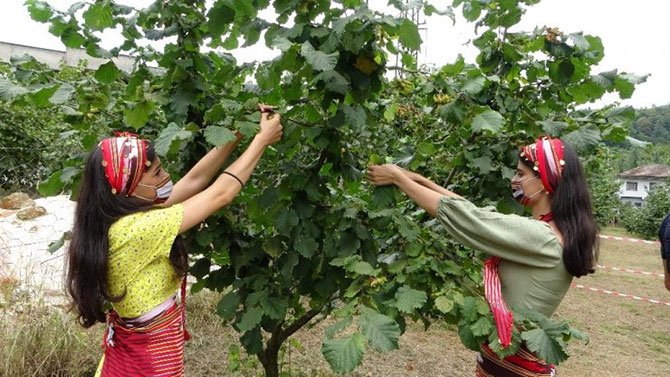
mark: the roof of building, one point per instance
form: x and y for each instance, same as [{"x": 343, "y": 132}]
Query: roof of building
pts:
[{"x": 657, "y": 171}]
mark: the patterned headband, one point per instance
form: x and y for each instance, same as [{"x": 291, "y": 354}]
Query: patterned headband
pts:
[
  {"x": 124, "y": 158},
  {"x": 547, "y": 157}
]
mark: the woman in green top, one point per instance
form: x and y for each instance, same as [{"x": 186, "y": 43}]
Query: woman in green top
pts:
[
  {"x": 125, "y": 251},
  {"x": 532, "y": 261}
]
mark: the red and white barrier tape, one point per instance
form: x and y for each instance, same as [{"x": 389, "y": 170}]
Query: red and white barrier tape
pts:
[
  {"x": 656, "y": 274},
  {"x": 619, "y": 294},
  {"x": 629, "y": 239}
]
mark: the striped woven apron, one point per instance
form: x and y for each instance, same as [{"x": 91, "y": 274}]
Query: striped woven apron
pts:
[{"x": 152, "y": 348}]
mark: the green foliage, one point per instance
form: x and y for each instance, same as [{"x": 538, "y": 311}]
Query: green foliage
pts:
[
  {"x": 652, "y": 124},
  {"x": 307, "y": 237},
  {"x": 601, "y": 173},
  {"x": 34, "y": 138},
  {"x": 645, "y": 221}
]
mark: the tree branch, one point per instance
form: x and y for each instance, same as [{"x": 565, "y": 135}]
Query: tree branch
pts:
[{"x": 297, "y": 324}]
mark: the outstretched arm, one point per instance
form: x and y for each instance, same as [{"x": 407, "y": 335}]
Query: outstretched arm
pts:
[
  {"x": 423, "y": 191},
  {"x": 222, "y": 192},
  {"x": 201, "y": 174}
]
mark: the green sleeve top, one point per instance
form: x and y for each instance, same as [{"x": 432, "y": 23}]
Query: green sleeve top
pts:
[{"x": 532, "y": 273}]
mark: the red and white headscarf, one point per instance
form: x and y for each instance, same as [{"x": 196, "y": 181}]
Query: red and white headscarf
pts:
[
  {"x": 547, "y": 156},
  {"x": 124, "y": 159}
]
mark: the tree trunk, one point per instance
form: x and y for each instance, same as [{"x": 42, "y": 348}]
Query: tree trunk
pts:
[{"x": 269, "y": 359}]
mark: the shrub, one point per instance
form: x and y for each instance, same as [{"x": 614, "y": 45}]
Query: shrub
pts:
[{"x": 645, "y": 221}]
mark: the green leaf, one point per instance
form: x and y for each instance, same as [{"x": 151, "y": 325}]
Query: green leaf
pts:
[
  {"x": 586, "y": 92},
  {"x": 181, "y": 100},
  {"x": 219, "y": 136},
  {"x": 282, "y": 43},
  {"x": 362, "y": 268},
  {"x": 9, "y": 90},
  {"x": 338, "y": 326},
  {"x": 219, "y": 17},
  {"x": 41, "y": 97},
  {"x": 475, "y": 85},
  {"x": 138, "y": 115},
  {"x": 52, "y": 186},
  {"x": 319, "y": 60},
  {"x": 39, "y": 11},
  {"x": 248, "y": 129},
  {"x": 344, "y": 355},
  {"x": 624, "y": 87},
  {"x": 250, "y": 319},
  {"x": 580, "y": 42},
  {"x": 482, "y": 327},
  {"x": 286, "y": 221},
  {"x": 456, "y": 68},
  {"x": 471, "y": 10},
  {"x": 355, "y": 116},
  {"x": 228, "y": 305},
  {"x": 488, "y": 120},
  {"x": 252, "y": 341},
  {"x": 57, "y": 244},
  {"x": 274, "y": 307},
  {"x": 582, "y": 138},
  {"x": 305, "y": 245},
  {"x": 469, "y": 309},
  {"x": 444, "y": 304},
  {"x": 381, "y": 331},
  {"x": 170, "y": 137},
  {"x": 408, "y": 35},
  {"x": 72, "y": 39},
  {"x": 107, "y": 73},
  {"x": 483, "y": 163},
  {"x": 98, "y": 16},
  {"x": 62, "y": 95},
  {"x": 407, "y": 299},
  {"x": 544, "y": 343},
  {"x": 467, "y": 337},
  {"x": 333, "y": 81}
]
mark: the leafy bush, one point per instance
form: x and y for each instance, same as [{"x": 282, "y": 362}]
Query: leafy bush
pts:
[
  {"x": 646, "y": 220},
  {"x": 34, "y": 137}
]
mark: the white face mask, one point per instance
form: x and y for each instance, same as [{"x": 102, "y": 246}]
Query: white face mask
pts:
[
  {"x": 162, "y": 192},
  {"x": 519, "y": 195}
]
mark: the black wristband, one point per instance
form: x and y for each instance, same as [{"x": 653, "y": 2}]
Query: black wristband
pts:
[{"x": 234, "y": 176}]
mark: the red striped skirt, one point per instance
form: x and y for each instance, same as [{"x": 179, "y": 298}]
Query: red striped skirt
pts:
[
  {"x": 154, "y": 348},
  {"x": 521, "y": 364}
]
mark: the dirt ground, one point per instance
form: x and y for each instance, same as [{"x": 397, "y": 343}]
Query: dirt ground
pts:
[{"x": 627, "y": 337}]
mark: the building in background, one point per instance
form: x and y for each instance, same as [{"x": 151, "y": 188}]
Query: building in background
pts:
[{"x": 637, "y": 182}]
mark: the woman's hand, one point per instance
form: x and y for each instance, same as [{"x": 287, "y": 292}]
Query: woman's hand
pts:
[
  {"x": 271, "y": 128},
  {"x": 381, "y": 175},
  {"x": 263, "y": 108}
]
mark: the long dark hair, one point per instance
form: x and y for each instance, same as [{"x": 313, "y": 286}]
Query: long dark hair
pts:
[
  {"x": 571, "y": 208},
  {"x": 97, "y": 209}
]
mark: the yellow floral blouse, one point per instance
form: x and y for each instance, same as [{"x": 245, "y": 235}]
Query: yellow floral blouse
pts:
[{"x": 139, "y": 259}]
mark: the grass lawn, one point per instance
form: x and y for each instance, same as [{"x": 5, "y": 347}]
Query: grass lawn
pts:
[{"x": 627, "y": 337}]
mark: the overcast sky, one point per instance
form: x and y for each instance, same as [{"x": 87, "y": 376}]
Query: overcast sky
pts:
[{"x": 634, "y": 34}]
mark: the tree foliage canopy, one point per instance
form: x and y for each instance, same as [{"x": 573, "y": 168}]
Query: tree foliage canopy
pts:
[{"x": 308, "y": 238}]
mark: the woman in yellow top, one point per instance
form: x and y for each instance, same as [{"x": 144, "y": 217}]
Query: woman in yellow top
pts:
[{"x": 125, "y": 249}]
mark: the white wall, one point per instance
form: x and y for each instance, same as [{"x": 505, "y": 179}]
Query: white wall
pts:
[
  {"x": 635, "y": 196},
  {"x": 53, "y": 58}
]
